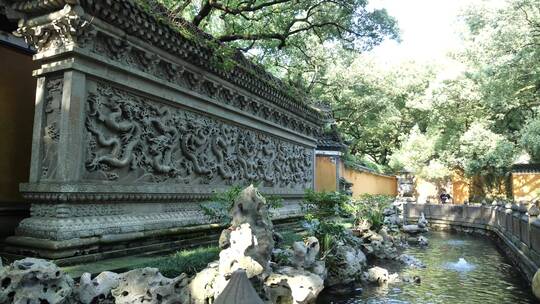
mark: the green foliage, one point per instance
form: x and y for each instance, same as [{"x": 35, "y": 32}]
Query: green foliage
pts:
[
  {"x": 189, "y": 261},
  {"x": 370, "y": 207},
  {"x": 293, "y": 39},
  {"x": 325, "y": 204},
  {"x": 219, "y": 206},
  {"x": 484, "y": 152},
  {"x": 217, "y": 209},
  {"x": 530, "y": 139}
]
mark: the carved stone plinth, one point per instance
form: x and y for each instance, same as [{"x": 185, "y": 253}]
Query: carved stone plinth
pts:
[{"x": 135, "y": 126}]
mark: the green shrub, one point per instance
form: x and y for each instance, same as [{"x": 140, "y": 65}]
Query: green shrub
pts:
[
  {"x": 370, "y": 207},
  {"x": 219, "y": 206},
  {"x": 326, "y": 204}
]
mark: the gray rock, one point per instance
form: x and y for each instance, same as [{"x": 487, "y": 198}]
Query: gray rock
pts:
[
  {"x": 291, "y": 285},
  {"x": 305, "y": 253},
  {"x": 535, "y": 284},
  {"x": 533, "y": 210},
  {"x": 351, "y": 260},
  {"x": 149, "y": 285},
  {"x": 89, "y": 291},
  {"x": 423, "y": 241},
  {"x": 422, "y": 222},
  {"x": 201, "y": 287},
  {"x": 35, "y": 281},
  {"x": 411, "y": 261},
  {"x": 381, "y": 276},
  {"x": 413, "y": 229}
]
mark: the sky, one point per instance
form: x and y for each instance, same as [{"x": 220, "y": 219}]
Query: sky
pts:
[{"x": 429, "y": 28}]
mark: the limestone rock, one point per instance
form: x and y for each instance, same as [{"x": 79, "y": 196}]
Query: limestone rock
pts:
[
  {"x": 239, "y": 291},
  {"x": 250, "y": 208},
  {"x": 381, "y": 276},
  {"x": 411, "y": 261},
  {"x": 201, "y": 287},
  {"x": 149, "y": 285},
  {"x": 351, "y": 261},
  {"x": 422, "y": 222},
  {"x": 291, "y": 285},
  {"x": 242, "y": 240},
  {"x": 533, "y": 210},
  {"x": 535, "y": 284},
  {"x": 89, "y": 291},
  {"x": 246, "y": 245},
  {"x": 413, "y": 229},
  {"x": 423, "y": 241},
  {"x": 35, "y": 281},
  {"x": 389, "y": 211},
  {"x": 305, "y": 253}
]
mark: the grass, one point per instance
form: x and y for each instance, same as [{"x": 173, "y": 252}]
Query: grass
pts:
[{"x": 189, "y": 261}]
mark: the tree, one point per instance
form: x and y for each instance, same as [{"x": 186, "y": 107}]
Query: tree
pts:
[
  {"x": 374, "y": 106},
  {"x": 283, "y": 34},
  {"x": 530, "y": 139}
]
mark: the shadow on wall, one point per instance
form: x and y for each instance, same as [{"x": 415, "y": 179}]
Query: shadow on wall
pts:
[
  {"x": 17, "y": 95},
  {"x": 526, "y": 186}
]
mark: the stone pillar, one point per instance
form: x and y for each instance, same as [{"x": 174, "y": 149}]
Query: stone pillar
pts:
[{"x": 136, "y": 124}]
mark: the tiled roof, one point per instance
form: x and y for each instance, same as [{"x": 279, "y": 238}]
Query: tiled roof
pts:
[{"x": 526, "y": 168}]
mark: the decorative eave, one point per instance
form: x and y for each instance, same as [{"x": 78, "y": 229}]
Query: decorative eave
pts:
[
  {"x": 133, "y": 20},
  {"x": 526, "y": 168},
  {"x": 331, "y": 141}
]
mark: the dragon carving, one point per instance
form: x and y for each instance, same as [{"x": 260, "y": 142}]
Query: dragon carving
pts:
[{"x": 135, "y": 139}]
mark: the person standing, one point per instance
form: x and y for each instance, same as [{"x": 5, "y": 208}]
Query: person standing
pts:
[{"x": 444, "y": 197}]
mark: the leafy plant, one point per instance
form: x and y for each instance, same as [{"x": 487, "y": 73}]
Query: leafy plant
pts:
[
  {"x": 326, "y": 204},
  {"x": 370, "y": 207}
]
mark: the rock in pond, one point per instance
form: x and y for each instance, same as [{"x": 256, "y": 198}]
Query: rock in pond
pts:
[
  {"x": 292, "y": 285},
  {"x": 381, "y": 276},
  {"x": 351, "y": 260}
]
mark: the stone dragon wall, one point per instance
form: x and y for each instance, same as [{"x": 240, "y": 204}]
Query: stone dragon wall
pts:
[
  {"x": 517, "y": 228},
  {"x": 135, "y": 124}
]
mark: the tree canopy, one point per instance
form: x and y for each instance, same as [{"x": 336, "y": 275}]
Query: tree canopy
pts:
[
  {"x": 288, "y": 37},
  {"x": 477, "y": 119}
]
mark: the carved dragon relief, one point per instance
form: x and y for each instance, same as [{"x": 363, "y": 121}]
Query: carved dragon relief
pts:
[{"x": 133, "y": 139}]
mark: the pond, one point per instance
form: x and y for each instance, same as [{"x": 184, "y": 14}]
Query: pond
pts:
[{"x": 460, "y": 269}]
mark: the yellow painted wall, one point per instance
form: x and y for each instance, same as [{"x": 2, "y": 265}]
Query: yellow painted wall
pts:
[
  {"x": 460, "y": 188},
  {"x": 366, "y": 182},
  {"x": 526, "y": 186},
  {"x": 325, "y": 173},
  {"x": 426, "y": 191},
  {"x": 17, "y": 95}
]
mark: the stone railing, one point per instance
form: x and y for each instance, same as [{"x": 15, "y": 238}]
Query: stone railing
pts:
[
  {"x": 136, "y": 123},
  {"x": 518, "y": 231}
]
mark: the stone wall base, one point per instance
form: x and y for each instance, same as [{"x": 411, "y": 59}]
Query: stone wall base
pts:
[{"x": 85, "y": 250}]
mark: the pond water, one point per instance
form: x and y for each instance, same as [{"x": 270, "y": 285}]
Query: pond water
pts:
[{"x": 460, "y": 269}]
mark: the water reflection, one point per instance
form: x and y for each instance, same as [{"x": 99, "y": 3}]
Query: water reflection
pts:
[{"x": 460, "y": 269}]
